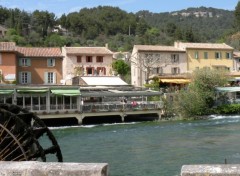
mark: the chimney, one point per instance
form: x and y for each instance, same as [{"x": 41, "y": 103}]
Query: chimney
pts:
[{"x": 106, "y": 45}]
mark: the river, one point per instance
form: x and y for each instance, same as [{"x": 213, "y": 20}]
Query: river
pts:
[{"x": 153, "y": 148}]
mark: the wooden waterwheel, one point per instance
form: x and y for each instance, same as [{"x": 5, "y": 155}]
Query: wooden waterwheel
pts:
[{"x": 20, "y": 135}]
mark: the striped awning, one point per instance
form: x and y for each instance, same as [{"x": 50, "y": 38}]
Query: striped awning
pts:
[{"x": 176, "y": 81}]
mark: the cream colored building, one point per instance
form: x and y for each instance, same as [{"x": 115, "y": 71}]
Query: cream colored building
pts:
[
  {"x": 86, "y": 61},
  {"x": 208, "y": 55},
  {"x": 149, "y": 60}
]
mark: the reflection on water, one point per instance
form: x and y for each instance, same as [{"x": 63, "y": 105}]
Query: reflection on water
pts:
[{"x": 153, "y": 148}]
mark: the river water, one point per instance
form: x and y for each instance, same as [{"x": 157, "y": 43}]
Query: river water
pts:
[{"x": 153, "y": 148}]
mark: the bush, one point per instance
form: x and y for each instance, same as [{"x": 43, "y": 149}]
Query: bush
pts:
[{"x": 227, "y": 109}]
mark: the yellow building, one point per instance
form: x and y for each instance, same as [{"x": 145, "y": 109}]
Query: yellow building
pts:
[{"x": 208, "y": 55}]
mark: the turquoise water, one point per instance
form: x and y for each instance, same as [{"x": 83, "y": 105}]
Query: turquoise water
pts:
[{"x": 153, "y": 148}]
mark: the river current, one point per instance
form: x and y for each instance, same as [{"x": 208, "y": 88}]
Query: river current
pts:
[{"x": 153, "y": 148}]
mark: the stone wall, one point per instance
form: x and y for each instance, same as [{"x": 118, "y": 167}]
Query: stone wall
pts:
[
  {"x": 35, "y": 168},
  {"x": 211, "y": 170}
]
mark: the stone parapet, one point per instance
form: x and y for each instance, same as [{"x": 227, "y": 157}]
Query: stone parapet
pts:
[
  {"x": 35, "y": 168},
  {"x": 211, "y": 170}
]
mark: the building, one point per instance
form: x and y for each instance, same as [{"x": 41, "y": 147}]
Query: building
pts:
[
  {"x": 3, "y": 31},
  {"x": 149, "y": 60},
  {"x": 8, "y": 62},
  {"x": 86, "y": 61},
  {"x": 39, "y": 65},
  {"x": 207, "y": 55}
]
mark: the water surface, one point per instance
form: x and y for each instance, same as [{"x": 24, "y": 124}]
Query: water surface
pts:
[{"x": 153, "y": 148}]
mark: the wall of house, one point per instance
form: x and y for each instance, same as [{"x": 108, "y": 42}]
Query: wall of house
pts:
[
  {"x": 70, "y": 63},
  {"x": 166, "y": 65},
  {"x": 211, "y": 61},
  {"x": 8, "y": 63},
  {"x": 39, "y": 67}
]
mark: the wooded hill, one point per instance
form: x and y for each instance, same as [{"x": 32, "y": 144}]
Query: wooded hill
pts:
[{"x": 121, "y": 30}]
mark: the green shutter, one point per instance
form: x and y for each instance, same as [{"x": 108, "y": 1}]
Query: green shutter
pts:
[
  {"x": 28, "y": 62},
  {"x": 20, "y": 77},
  {"x": 20, "y": 62},
  {"x": 29, "y": 77},
  {"x": 46, "y": 77}
]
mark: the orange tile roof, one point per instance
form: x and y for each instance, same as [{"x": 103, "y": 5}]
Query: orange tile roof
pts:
[
  {"x": 7, "y": 46},
  {"x": 39, "y": 52},
  {"x": 157, "y": 48},
  {"x": 88, "y": 50},
  {"x": 207, "y": 45}
]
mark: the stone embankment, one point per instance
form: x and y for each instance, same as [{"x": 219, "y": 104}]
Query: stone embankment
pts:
[
  {"x": 35, "y": 168},
  {"x": 211, "y": 170}
]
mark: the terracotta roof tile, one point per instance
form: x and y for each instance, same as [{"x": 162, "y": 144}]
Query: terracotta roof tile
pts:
[
  {"x": 88, "y": 50},
  {"x": 157, "y": 48},
  {"x": 39, "y": 52},
  {"x": 7, "y": 46},
  {"x": 207, "y": 45}
]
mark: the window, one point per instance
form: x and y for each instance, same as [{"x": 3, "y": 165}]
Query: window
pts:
[
  {"x": 50, "y": 62},
  {"x": 88, "y": 58},
  {"x": 218, "y": 55},
  {"x": 205, "y": 55},
  {"x": 157, "y": 70},
  {"x": 25, "y": 77},
  {"x": 89, "y": 70},
  {"x": 175, "y": 70},
  {"x": 228, "y": 55},
  {"x": 175, "y": 58},
  {"x": 24, "y": 62},
  {"x": 79, "y": 59},
  {"x": 99, "y": 58},
  {"x": 196, "y": 55},
  {"x": 101, "y": 71},
  {"x": 50, "y": 78}
]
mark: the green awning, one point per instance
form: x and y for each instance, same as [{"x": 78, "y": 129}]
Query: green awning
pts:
[
  {"x": 66, "y": 92},
  {"x": 29, "y": 90},
  {"x": 6, "y": 92}
]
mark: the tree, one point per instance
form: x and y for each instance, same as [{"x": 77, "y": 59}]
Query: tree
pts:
[
  {"x": 147, "y": 62},
  {"x": 237, "y": 16},
  {"x": 121, "y": 67},
  {"x": 198, "y": 98}
]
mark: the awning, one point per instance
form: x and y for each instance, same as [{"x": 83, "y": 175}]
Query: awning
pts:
[
  {"x": 32, "y": 90},
  {"x": 6, "y": 92},
  {"x": 228, "y": 89},
  {"x": 66, "y": 92},
  {"x": 177, "y": 81}
]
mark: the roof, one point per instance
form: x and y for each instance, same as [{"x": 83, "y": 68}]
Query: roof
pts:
[
  {"x": 88, "y": 50},
  {"x": 7, "y": 46},
  {"x": 39, "y": 51},
  {"x": 157, "y": 48},
  {"x": 103, "y": 80},
  {"x": 236, "y": 54},
  {"x": 207, "y": 46}
]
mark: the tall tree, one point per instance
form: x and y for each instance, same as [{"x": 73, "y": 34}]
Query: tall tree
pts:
[{"x": 237, "y": 16}]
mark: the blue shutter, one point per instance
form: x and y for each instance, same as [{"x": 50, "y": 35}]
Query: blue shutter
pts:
[{"x": 48, "y": 62}]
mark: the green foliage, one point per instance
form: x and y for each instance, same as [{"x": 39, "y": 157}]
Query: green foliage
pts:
[
  {"x": 227, "y": 109},
  {"x": 121, "y": 30},
  {"x": 121, "y": 67},
  {"x": 198, "y": 99}
]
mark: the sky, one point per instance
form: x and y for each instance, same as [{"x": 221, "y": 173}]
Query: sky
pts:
[{"x": 59, "y": 7}]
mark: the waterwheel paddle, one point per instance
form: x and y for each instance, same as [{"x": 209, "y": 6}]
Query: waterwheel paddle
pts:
[{"x": 20, "y": 135}]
